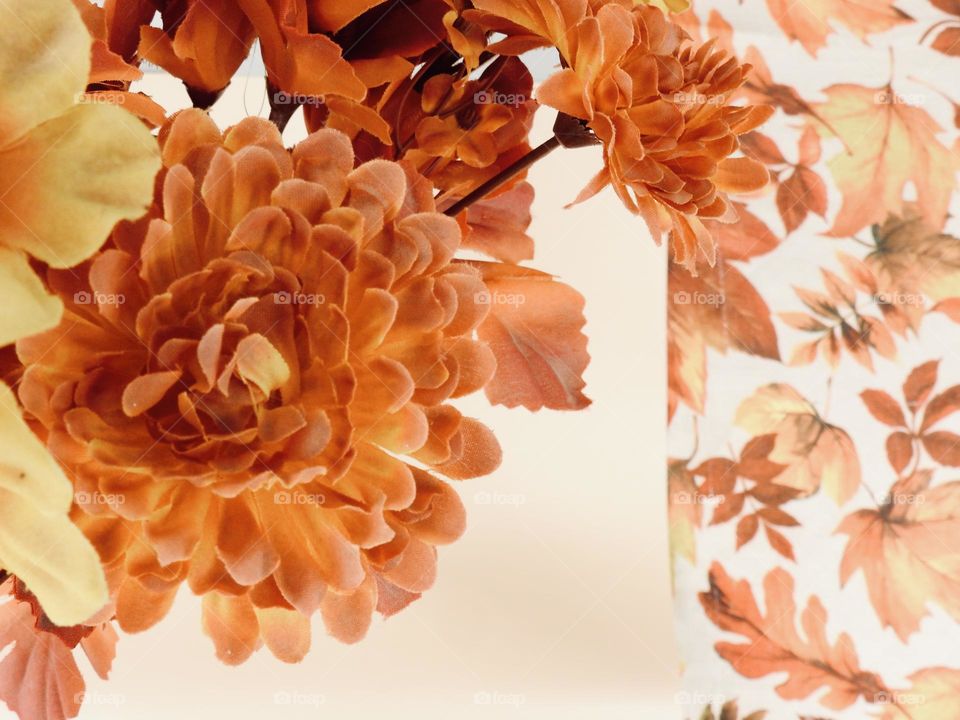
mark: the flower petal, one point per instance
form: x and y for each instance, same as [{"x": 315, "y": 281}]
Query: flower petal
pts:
[
  {"x": 27, "y": 307},
  {"x": 38, "y": 542},
  {"x": 69, "y": 181},
  {"x": 44, "y": 62}
]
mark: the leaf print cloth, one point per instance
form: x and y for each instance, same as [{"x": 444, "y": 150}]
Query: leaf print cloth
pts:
[{"x": 814, "y": 374}]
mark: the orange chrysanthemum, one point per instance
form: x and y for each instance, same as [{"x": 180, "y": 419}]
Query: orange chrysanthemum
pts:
[
  {"x": 308, "y": 48},
  {"x": 658, "y": 103},
  {"x": 250, "y": 389}
]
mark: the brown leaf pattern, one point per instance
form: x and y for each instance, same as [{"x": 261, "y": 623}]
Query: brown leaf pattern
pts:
[{"x": 813, "y": 370}]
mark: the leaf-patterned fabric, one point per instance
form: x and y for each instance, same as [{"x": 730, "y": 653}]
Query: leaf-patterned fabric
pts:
[{"x": 814, "y": 376}]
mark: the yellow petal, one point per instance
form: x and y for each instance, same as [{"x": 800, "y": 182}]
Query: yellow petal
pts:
[
  {"x": 38, "y": 542},
  {"x": 27, "y": 308},
  {"x": 260, "y": 363},
  {"x": 44, "y": 62},
  {"x": 69, "y": 180}
]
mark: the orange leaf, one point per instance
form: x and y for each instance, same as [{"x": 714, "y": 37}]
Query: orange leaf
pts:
[
  {"x": 744, "y": 239},
  {"x": 801, "y": 193},
  {"x": 944, "y": 447},
  {"x": 776, "y": 516},
  {"x": 883, "y": 407},
  {"x": 913, "y": 257},
  {"x": 729, "y": 509},
  {"x": 701, "y": 316},
  {"x": 900, "y": 450},
  {"x": 816, "y": 453},
  {"x": 779, "y": 543},
  {"x": 809, "y": 21},
  {"x": 761, "y": 147},
  {"x": 773, "y": 644},
  {"x": 944, "y": 404},
  {"x": 889, "y": 144},
  {"x": 948, "y": 42},
  {"x": 746, "y": 529},
  {"x": 910, "y": 542},
  {"x": 938, "y": 689},
  {"x": 534, "y": 330},
  {"x": 39, "y": 677},
  {"x": 498, "y": 225},
  {"x": 919, "y": 384}
]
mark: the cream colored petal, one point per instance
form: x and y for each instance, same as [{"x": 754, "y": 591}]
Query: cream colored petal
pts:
[
  {"x": 44, "y": 62},
  {"x": 69, "y": 180},
  {"x": 260, "y": 363},
  {"x": 26, "y": 308},
  {"x": 38, "y": 542}
]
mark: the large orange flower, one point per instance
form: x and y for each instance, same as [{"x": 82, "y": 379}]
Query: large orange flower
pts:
[{"x": 250, "y": 389}]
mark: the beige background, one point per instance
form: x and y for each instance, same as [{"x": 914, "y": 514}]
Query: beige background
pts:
[{"x": 556, "y": 602}]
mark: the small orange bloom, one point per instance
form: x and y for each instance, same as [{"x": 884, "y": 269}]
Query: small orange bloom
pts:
[{"x": 658, "y": 103}]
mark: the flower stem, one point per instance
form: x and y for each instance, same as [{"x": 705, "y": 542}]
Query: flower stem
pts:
[{"x": 542, "y": 150}]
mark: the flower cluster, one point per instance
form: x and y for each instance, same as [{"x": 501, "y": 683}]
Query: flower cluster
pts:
[{"x": 234, "y": 365}]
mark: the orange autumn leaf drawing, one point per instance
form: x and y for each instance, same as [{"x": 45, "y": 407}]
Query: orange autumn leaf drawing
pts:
[
  {"x": 888, "y": 144},
  {"x": 909, "y": 435},
  {"x": 534, "y": 330},
  {"x": 711, "y": 322},
  {"x": 947, "y": 40},
  {"x": 699, "y": 315},
  {"x": 773, "y": 644},
  {"x": 804, "y": 191},
  {"x": 809, "y": 22},
  {"x": 816, "y": 453},
  {"x": 907, "y": 551},
  {"x": 853, "y": 315},
  {"x": 800, "y": 190},
  {"x": 912, "y": 260},
  {"x": 750, "y": 483}
]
